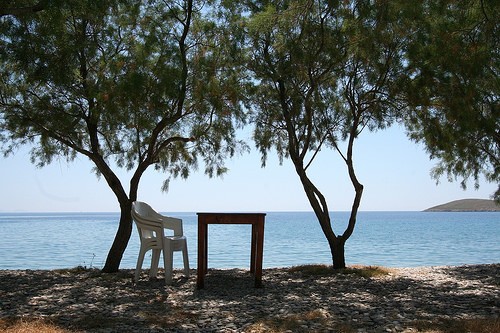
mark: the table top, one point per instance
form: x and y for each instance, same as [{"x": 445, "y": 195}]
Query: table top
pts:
[
  {"x": 237, "y": 213},
  {"x": 231, "y": 218}
]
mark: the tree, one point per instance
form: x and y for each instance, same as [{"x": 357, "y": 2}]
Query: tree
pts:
[
  {"x": 21, "y": 7},
  {"x": 324, "y": 72},
  {"x": 327, "y": 70},
  {"x": 137, "y": 84},
  {"x": 453, "y": 70}
]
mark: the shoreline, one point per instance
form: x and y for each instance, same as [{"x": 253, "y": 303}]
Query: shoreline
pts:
[{"x": 86, "y": 300}]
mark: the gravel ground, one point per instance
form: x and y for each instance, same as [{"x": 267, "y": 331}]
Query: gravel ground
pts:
[{"x": 290, "y": 301}]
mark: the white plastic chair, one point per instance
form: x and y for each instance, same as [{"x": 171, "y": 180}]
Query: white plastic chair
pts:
[{"x": 151, "y": 227}]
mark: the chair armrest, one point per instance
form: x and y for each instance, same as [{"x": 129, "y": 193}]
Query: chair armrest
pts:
[{"x": 172, "y": 223}]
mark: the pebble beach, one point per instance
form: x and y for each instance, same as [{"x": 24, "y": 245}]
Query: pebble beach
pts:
[{"x": 86, "y": 300}]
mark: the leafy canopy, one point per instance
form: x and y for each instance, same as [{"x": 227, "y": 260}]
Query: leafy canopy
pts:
[
  {"x": 453, "y": 63},
  {"x": 138, "y": 83}
]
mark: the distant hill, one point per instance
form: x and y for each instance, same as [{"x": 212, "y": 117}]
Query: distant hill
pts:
[{"x": 467, "y": 205}]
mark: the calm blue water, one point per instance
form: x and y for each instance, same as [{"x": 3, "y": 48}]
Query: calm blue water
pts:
[{"x": 396, "y": 239}]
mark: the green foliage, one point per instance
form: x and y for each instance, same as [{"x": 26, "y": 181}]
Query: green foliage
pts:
[
  {"x": 324, "y": 64},
  {"x": 453, "y": 65},
  {"x": 122, "y": 80},
  {"x": 433, "y": 65}
]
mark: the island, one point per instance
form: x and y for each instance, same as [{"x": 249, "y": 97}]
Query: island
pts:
[{"x": 467, "y": 205}]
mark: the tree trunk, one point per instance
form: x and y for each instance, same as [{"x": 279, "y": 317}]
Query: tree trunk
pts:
[
  {"x": 124, "y": 232},
  {"x": 120, "y": 242},
  {"x": 337, "y": 246},
  {"x": 320, "y": 208}
]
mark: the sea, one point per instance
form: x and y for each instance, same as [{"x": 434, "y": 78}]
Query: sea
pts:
[{"x": 393, "y": 239}]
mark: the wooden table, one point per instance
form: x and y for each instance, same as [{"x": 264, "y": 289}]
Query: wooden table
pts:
[{"x": 257, "y": 246}]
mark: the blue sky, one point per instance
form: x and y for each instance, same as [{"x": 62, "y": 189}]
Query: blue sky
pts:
[{"x": 394, "y": 171}]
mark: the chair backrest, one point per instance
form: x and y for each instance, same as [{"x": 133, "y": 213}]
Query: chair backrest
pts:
[
  {"x": 149, "y": 221},
  {"x": 149, "y": 230},
  {"x": 142, "y": 209}
]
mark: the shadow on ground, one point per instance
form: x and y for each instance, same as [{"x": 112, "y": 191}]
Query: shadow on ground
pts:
[{"x": 87, "y": 300}]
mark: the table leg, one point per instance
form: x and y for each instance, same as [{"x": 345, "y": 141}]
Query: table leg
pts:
[
  {"x": 202, "y": 256},
  {"x": 205, "y": 252},
  {"x": 253, "y": 249},
  {"x": 259, "y": 253}
]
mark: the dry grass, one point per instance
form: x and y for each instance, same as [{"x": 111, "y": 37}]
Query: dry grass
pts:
[
  {"x": 312, "y": 270},
  {"x": 276, "y": 325},
  {"x": 12, "y": 325},
  {"x": 459, "y": 326},
  {"x": 295, "y": 323},
  {"x": 368, "y": 271},
  {"x": 327, "y": 270}
]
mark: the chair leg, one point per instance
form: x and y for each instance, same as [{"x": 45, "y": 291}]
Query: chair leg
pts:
[
  {"x": 138, "y": 267},
  {"x": 168, "y": 259},
  {"x": 186, "y": 259},
  {"x": 155, "y": 260}
]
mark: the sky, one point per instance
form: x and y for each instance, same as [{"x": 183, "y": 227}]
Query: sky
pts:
[{"x": 395, "y": 173}]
